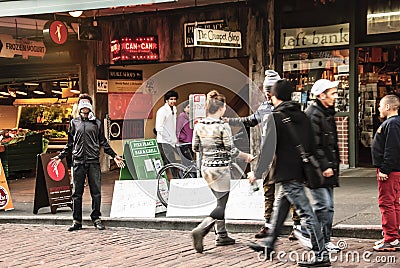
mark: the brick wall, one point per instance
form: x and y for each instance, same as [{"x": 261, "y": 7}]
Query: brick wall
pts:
[{"x": 342, "y": 124}]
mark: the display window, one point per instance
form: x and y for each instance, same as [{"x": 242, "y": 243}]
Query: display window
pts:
[
  {"x": 378, "y": 75},
  {"x": 304, "y": 68}
]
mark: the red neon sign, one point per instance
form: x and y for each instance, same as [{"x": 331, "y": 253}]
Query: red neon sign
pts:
[{"x": 135, "y": 49}]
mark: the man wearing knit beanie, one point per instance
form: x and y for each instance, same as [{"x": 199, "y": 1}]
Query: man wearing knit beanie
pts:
[
  {"x": 85, "y": 137},
  {"x": 253, "y": 120}
]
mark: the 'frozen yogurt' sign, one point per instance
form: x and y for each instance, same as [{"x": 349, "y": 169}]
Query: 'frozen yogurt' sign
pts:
[{"x": 333, "y": 35}]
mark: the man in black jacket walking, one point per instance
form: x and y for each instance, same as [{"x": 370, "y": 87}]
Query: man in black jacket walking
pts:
[
  {"x": 322, "y": 116},
  {"x": 288, "y": 170},
  {"x": 85, "y": 137}
]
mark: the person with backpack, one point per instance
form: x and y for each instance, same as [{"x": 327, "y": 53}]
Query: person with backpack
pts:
[
  {"x": 85, "y": 137},
  {"x": 285, "y": 166}
]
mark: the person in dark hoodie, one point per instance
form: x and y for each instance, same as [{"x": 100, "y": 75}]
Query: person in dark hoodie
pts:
[
  {"x": 322, "y": 116},
  {"x": 85, "y": 137},
  {"x": 287, "y": 169}
]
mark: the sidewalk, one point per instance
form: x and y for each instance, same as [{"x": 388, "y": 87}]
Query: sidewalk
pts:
[{"x": 356, "y": 208}]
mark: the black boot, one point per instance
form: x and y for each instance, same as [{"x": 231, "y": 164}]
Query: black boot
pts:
[
  {"x": 222, "y": 235},
  {"x": 268, "y": 252},
  {"x": 75, "y": 226},
  {"x": 317, "y": 261},
  {"x": 200, "y": 232}
]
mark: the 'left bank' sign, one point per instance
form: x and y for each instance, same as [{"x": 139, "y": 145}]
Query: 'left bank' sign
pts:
[{"x": 9, "y": 47}]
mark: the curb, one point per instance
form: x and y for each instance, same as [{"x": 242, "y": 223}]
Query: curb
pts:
[{"x": 187, "y": 224}]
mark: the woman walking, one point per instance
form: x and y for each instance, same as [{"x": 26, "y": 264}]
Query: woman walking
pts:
[{"x": 214, "y": 138}]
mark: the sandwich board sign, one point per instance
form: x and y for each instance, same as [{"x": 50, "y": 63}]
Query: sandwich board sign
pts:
[
  {"x": 53, "y": 187},
  {"x": 5, "y": 196},
  {"x": 143, "y": 161}
]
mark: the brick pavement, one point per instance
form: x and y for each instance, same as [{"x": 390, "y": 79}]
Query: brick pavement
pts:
[{"x": 53, "y": 246}]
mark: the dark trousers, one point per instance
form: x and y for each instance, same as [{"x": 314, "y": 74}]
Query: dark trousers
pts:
[
  {"x": 93, "y": 173},
  {"x": 292, "y": 192},
  {"x": 186, "y": 153},
  {"x": 167, "y": 152},
  {"x": 219, "y": 212},
  {"x": 269, "y": 199}
]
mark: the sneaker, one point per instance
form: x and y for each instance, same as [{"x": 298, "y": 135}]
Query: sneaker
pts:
[
  {"x": 75, "y": 227},
  {"x": 377, "y": 243},
  {"x": 330, "y": 247},
  {"x": 305, "y": 241},
  {"x": 388, "y": 246},
  {"x": 264, "y": 232},
  {"x": 291, "y": 236},
  {"x": 224, "y": 241},
  {"x": 99, "y": 225}
]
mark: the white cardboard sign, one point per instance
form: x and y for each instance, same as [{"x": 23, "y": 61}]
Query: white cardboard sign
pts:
[
  {"x": 193, "y": 197},
  {"x": 134, "y": 199}
]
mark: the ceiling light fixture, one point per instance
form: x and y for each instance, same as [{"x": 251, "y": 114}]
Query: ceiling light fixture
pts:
[
  {"x": 4, "y": 91},
  {"x": 76, "y": 13},
  {"x": 21, "y": 92},
  {"x": 31, "y": 84},
  {"x": 57, "y": 88},
  {"x": 75, "y": 88},
  {"x": 39, "y": 90},
  {"x": 384, "y": 14}
]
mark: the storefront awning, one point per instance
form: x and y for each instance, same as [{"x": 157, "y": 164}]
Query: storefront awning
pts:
[{"x": 30, "y": 7}]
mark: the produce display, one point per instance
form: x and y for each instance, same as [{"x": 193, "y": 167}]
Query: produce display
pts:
[
  {"x": 52, "y": 133},
  {"x": 15, "y": 135}
]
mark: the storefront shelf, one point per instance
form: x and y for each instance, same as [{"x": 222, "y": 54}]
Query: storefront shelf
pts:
[{"x": 21, "y": 156}]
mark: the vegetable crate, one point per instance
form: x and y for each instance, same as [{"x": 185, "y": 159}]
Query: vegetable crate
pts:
[{"x": 21, "y": 156}]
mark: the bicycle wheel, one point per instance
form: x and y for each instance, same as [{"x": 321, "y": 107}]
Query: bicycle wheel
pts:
[
  {"x": 191, "y": 172},
  {"x": 164, "y": 176},
  {"x": 237, "y": 172}
]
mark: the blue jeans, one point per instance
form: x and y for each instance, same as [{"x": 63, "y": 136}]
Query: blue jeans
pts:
[
  {"x": 324, "y": 209},
  {"x": 93, "y": 173},
  {"x": 292, "y": 192}
]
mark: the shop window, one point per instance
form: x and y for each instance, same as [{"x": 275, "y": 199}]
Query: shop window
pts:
[
  {"x": 378, "y": 75},
  {"x": 383, "y": 16},
  {"x": 304, "y": 68}
]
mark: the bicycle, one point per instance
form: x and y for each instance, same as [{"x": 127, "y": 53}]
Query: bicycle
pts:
[{"x": 192, "y": 171}]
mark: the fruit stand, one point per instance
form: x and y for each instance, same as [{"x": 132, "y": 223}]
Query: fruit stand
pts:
[{"x": 20, "y": 153}]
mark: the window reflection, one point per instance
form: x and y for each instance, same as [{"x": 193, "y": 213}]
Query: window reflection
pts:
[
  {"x": 383, "y": 16},
  {"x": 304, "y": 68}
]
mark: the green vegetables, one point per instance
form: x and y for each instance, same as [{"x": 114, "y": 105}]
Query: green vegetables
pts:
[{"x": 52, "y": 133}]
